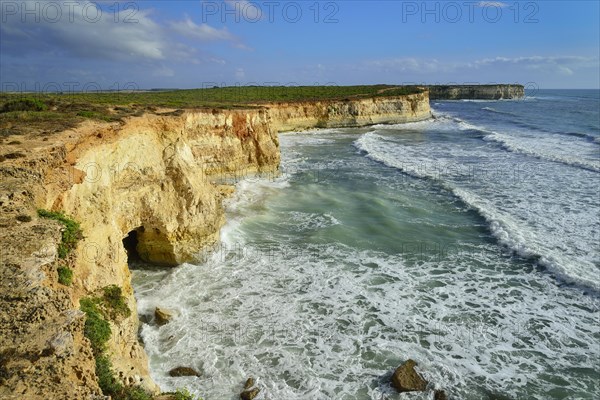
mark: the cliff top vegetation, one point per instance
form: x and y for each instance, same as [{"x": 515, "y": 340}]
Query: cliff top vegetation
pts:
[{"x": 22, "y": 113}]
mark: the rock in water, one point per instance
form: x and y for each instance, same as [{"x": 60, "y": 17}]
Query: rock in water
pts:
[
  {"x": 406, "y": 379},
  {"x": 183, "y": 371},
  {"x": 249, "y": 383},
  {"x": 162, "y": 316},
  {"x": 249, "y": 394},
  {"x": 440, "y": 395}
]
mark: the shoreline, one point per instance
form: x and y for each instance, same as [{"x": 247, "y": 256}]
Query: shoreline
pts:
[{"x": 137, "y": 177}]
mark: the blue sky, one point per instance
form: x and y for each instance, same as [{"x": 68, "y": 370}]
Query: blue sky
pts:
[{"x": 185, "y": 44}]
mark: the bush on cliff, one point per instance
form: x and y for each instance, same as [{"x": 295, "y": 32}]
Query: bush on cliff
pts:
[
  {"x": 70, "y": 234},
  {"x": 97, "y": 330},
  {"x": 115, "y": 302},
  {"x": 106, "y": 378},
  {"x": 65, "y": 276}
]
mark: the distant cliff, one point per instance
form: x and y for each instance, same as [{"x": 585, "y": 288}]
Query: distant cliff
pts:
[{"x": 480, "y": 92}]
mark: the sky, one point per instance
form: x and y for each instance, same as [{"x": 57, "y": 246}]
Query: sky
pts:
[{"x": 81, "y": 45}]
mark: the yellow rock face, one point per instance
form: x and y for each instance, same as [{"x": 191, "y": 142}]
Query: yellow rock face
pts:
[{"x": 361, "y": 112}]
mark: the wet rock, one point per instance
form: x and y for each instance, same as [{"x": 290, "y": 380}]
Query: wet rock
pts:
[
  {"x": 249, "y": 394},
  {"x": 406, "y": 379},
  {"x": 162, "y": 316},
  {"x": 249, "y": 383},
  {"x": 440, "y": 395},
  {"x": 183, "y": 371}
]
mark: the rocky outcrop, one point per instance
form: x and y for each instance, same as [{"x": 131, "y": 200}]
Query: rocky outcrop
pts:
[
  {"x": 152, "y": 180},
  {"x": 476, "y": 92},
  {"x": 162, "y": 317},
  {"x": 183, "y": 371},
  {"x": 407, "y": 379},
  {"x": 250, "y": 391}
]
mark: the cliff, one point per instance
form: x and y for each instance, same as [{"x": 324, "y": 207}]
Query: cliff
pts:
[
  {"x": 149, "y": 180},
  {"x": 349, "y": 113},
  {"x": 473, "y": 92}
]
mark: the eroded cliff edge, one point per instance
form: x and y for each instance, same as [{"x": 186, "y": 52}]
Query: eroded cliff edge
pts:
[{"x": 151, "y": 176}]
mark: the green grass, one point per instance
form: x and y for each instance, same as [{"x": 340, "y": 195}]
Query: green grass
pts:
[
  {"x": 238, "y": 95},
  {"x": 65, "y": 276},
  {"x": 64, "y": 111},
  {"x": 70, "y": 235}
]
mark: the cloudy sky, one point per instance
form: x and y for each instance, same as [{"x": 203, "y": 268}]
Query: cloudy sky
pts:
[{"x": 167, "y": 44}]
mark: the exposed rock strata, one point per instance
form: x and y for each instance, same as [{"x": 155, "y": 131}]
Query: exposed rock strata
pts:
[{"x": 347, "y": 113}]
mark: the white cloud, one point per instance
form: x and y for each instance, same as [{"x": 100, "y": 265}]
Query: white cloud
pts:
[
  {"x": 203, "y": 32},
  {"x": 85, "y": 31},
  {"x": 498, "y": 4},
  {"x": 563, "y": 65}
]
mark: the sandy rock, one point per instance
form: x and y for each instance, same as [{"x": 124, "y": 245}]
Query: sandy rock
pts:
[
  {"x": 406, "y": 379},
  {"x": 162, "y": 316},
  {"x": 249, "y": 383},
  {"x": 249, "y": 394}
]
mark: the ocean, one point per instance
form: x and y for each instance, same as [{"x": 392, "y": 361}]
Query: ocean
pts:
[{"x": 469, "y": 243}]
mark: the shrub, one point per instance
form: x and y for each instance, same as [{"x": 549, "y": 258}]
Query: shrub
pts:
[
  {"x": 97, "y": 330},
  {"x": 183, "y": 394},
  {"x": 133, "y": 393},
  {"x": 65, "y": 276},
  {"x": 113, "y": 299},
  {"x": 70, "y": 235},
  {"x": 26, "y": 104},
  {"x": 106, "y": 379}
]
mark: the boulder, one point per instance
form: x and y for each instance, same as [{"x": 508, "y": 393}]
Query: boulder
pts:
[
  {"x": 249, "y": 383},
  {"x": 440, "y": 395},
  {"x": 406, "y": 379},
  {"x": 183, "y": 371},
  {"x": 162, "y": 316},
  {"x": 249, "y": 394}
]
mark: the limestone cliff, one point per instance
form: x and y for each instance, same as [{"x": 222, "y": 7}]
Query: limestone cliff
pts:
[
  {"x": 476, "y": 92},
  {"x": 357, "y": 112},
  {"x": 149, "y": 178}
]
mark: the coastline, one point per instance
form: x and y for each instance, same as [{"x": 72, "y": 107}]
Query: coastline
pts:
[{"x": 141, "y": 176}]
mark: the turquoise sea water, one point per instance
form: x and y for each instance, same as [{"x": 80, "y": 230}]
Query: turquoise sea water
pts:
[{"x": 469, "y": 243}]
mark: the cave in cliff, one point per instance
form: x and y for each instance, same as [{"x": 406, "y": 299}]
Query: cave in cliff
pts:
[{"x": 130, "y": 242}]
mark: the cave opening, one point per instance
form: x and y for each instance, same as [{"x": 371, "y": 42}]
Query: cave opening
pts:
[{"x": 130, "y": 242}]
